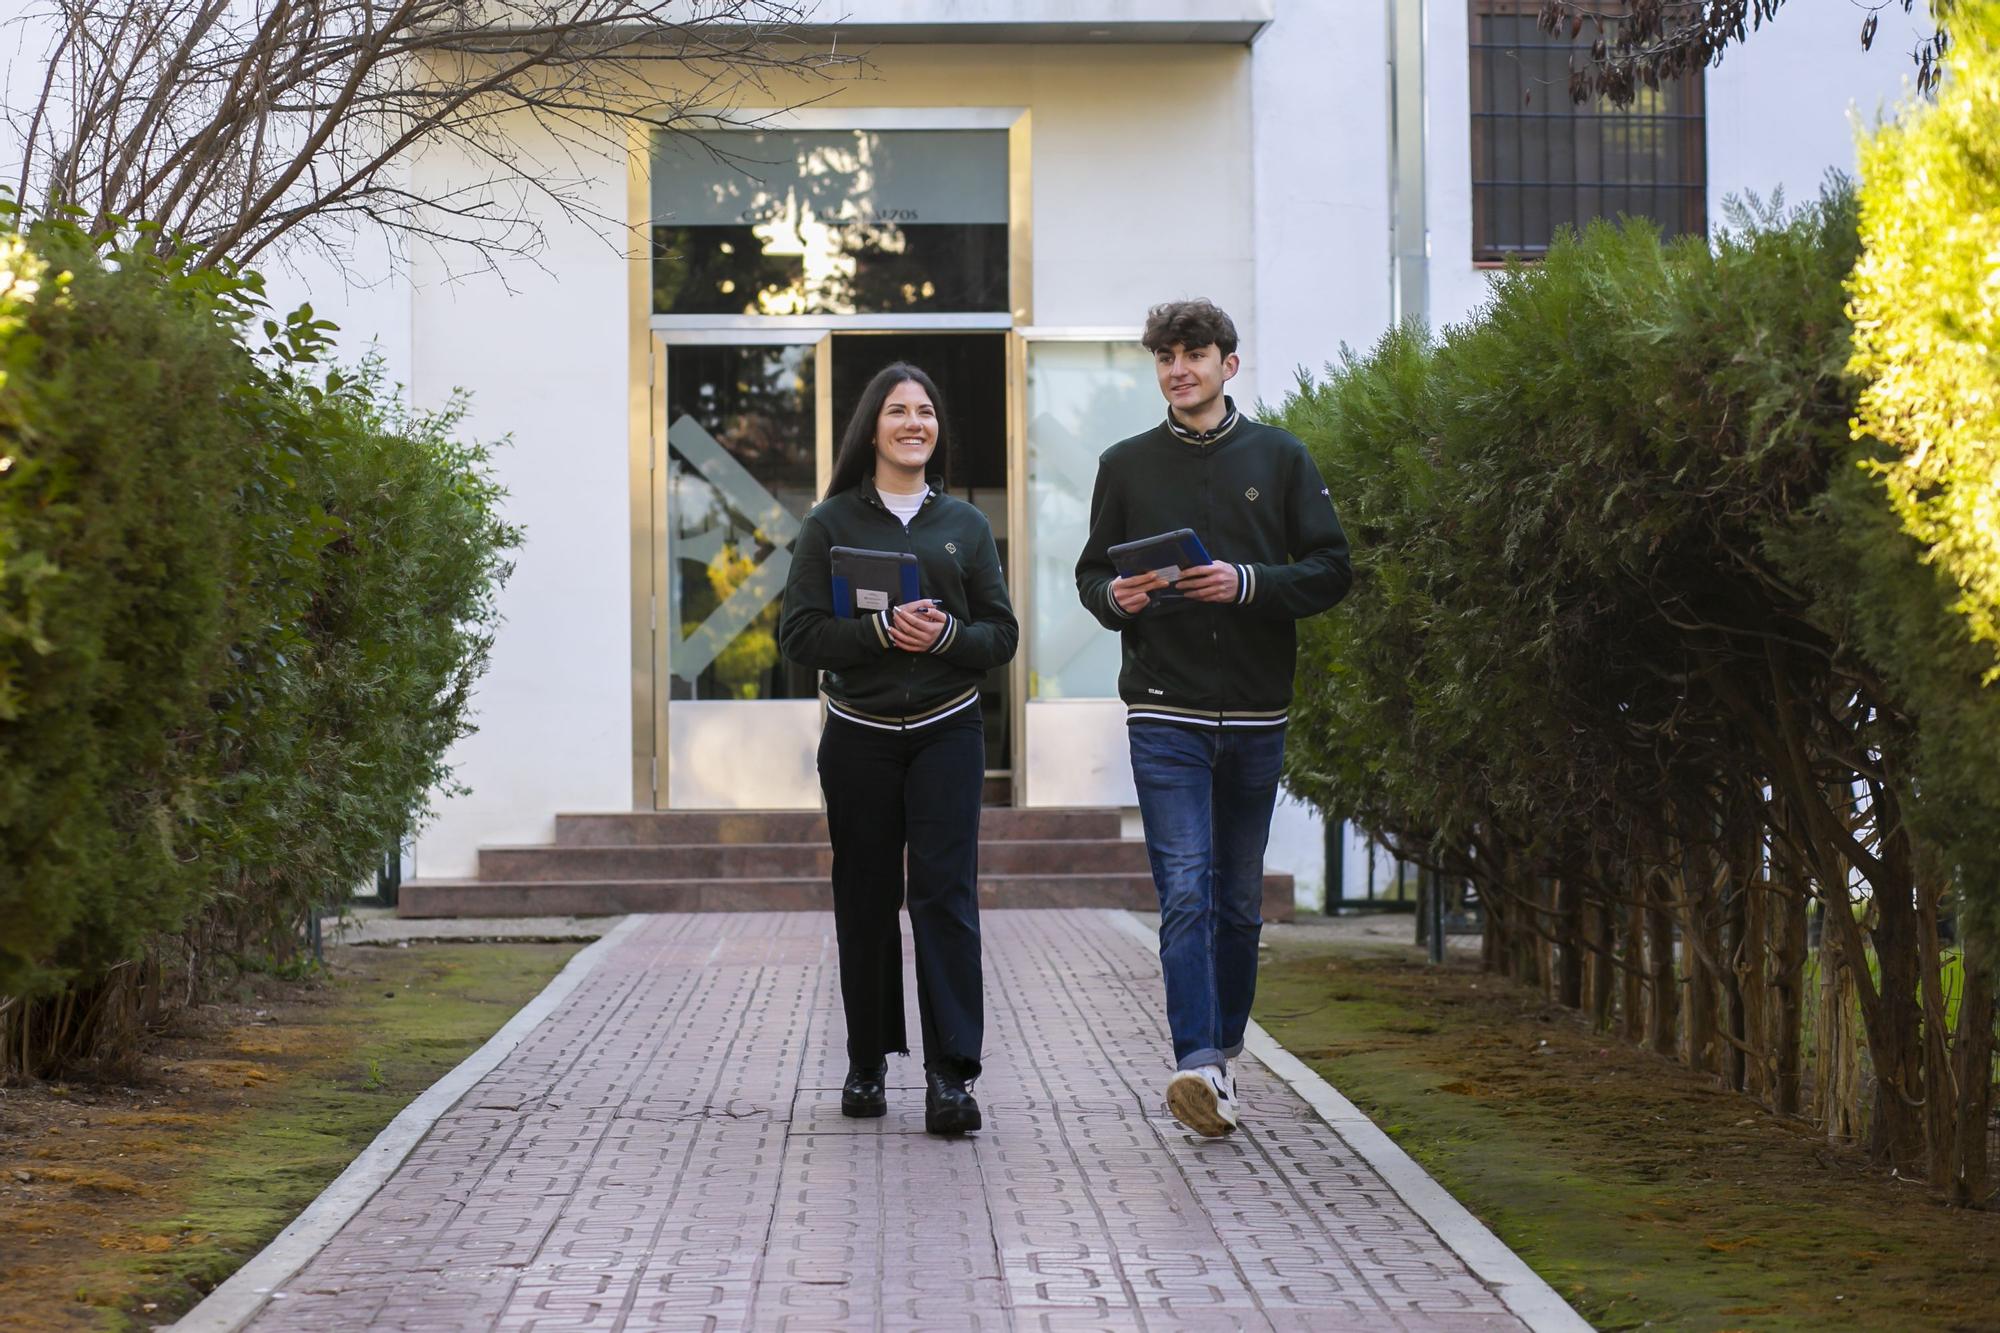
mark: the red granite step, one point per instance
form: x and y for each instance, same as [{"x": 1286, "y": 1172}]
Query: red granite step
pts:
[
  {"x": 604, "y": 897},
  {"x": 662, "y": 827},
  {"x": 788, "y": 860}
]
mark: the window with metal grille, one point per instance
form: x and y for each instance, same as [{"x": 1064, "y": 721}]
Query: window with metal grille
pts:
[{"x": 1541, "y": 161}]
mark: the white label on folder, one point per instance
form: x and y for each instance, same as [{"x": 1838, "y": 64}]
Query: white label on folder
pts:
[
  {"x": 871, "y": 599},
  {"x": 1172, "y": 573}
]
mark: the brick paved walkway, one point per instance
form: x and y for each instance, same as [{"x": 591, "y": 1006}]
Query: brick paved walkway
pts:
[{"x": 666, "y": 1151}]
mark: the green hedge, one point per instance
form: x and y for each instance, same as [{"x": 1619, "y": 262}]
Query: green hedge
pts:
[
  {"x": 243, "y": 600},
  {"x": 1636, "y": 631},
  {"x": 380, "y": 550},
  {"x": 119, "y": 538}
]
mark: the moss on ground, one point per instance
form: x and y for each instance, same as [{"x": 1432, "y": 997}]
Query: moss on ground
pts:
[
  {"x": 134, "y": 1208},
  {"x": 1645, "y": 1194}
]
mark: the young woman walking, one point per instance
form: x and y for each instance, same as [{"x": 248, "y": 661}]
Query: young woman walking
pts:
[{"x": 902, "y": 759}]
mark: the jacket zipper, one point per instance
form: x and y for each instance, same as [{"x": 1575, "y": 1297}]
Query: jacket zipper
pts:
[
  {"x": 909, "y": 547},
  {"x": 1208, "y": 526}
]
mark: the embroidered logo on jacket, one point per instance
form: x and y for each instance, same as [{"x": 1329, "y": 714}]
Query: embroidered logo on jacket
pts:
[
  {"x": 1250, "y": 494},
  {"x": 951, "y": 548}
]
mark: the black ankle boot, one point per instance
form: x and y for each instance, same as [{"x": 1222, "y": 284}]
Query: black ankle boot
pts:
[
  {"x": 948, "y": 1105},
  {"x": 863, "y": 1095}
]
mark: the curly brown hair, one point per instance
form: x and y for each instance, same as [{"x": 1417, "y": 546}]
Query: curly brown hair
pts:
[{"x": 1196, "y": 323}]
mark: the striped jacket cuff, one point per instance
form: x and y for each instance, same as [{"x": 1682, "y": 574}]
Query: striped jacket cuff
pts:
[
  {"x": 1246, "y": 584},
  {"x": 1116, "y": 609},
  {"x": 948, "y": 636},
  {"x": 881, "y": 622}
]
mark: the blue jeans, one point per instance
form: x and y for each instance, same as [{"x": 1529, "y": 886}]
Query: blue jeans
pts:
[{"x": 1206, "y": 797}]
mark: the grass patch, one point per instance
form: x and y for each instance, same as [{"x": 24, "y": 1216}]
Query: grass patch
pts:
[
  {"x": 133, "y": 1202},
  {"x": 1642, "y": 1192}
]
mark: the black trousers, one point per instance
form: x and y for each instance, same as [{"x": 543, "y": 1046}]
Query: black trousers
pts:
[{"x": 886, "y": 790}]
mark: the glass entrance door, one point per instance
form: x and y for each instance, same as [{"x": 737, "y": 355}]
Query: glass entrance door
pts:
[
  {"x": 742, "y": 459},
  {"x": 1081, "y": 393},
  {"x": 788, "y": 263},
  {"x": 749, "y": 430}
]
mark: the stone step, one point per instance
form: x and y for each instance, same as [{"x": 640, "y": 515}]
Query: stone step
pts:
[
  {"x": 663, "y": 827},
  {"x": 788, "y": 860},
  {"x": 606, "y": 897}
]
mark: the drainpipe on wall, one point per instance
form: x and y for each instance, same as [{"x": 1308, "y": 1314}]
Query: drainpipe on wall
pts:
[{"x": 1409, "y": 231}]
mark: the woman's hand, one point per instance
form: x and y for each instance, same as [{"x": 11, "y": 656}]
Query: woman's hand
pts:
[{"x": 914, "y": 626}]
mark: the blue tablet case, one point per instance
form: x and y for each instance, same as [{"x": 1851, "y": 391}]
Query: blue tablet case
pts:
[
  {"x": 1177, "y": 550},
  {"x": 865, "y": 582}
]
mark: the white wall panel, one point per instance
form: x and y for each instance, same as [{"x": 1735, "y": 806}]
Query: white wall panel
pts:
[
  {"x": 1320, "y": 154},
  {"x": 542, "y": 348}
]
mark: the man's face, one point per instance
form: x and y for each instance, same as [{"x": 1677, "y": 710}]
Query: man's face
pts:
[{"x": 1192, "y": 377}]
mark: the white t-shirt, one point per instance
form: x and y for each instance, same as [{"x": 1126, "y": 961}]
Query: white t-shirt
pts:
[{"x": 904, "y": 507}]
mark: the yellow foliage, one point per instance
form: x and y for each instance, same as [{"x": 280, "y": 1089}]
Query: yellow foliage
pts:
[
  {"x": 1926, "y": 309},
  {"x": 740, "y": 667}
]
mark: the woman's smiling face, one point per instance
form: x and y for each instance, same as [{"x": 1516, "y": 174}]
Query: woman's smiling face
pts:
[{"x": 906, "y": 429}]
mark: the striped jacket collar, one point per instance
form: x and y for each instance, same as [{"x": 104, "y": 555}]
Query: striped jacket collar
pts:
[{"x": 1229, "y": 421}]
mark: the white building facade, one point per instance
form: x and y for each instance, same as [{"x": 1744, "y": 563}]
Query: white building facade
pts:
[{"x": 998, "y": 195}]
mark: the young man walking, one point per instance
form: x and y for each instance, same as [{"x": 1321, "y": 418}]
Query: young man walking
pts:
[{"x": 1207, "y": 672}]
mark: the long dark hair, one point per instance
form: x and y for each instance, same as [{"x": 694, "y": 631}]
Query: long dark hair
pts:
[{"x": 855, "y": 460}]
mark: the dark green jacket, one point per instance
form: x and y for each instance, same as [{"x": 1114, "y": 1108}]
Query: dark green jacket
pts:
[
  {"x": 868, "y": 680},
  {"x": 1254, "y": 497}
]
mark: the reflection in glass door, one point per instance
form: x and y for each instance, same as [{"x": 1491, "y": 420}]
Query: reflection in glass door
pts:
[
  {"x": 740, "y": 474},
  {"x": 741, "y": 459}
]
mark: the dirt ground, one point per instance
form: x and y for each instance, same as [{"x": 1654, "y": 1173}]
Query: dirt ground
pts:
[
  {"x": 1644, "y": 1193},
  {"x": 122, "y": 1204}
]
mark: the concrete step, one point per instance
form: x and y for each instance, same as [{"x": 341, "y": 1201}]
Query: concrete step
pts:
[
  {"x": 605, "y": 897},
  {"x": 663, "y": 827},
  {"x": 789, "y": 860}
]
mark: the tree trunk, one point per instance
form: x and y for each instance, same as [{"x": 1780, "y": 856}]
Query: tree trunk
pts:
[
  {"x": 1747, "y": 966},
  {"x": 1631, "y": 943},
  {"x": 1603, "y": 971},
  {"x": 1837, "y": 1072},
  {"x": 1542, "y": 968},
  {"x": 1569, "y": 901},
  {"x": 1940, "y": 1105},
  {"x": 1742, "y": 969},
  {"x": 1700, "y": 945},
  {"x": 1896, "y": 1134},
  {"x": 1526, "y": 936},
  {"x": 1490, "y": 951},
  {"x": 1663, "y": 1028},
  {"x": 1973, "y": 1070},
  {"x": 1788, "y": 1024}
]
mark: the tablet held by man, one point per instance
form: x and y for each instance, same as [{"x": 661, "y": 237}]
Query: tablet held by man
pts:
[
  {"x": 1167, "y": 555},
  {"x": 1206, "y": 674}
]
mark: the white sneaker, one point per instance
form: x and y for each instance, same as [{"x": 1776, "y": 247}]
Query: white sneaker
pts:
[{"x": 1203, "y": 1099}]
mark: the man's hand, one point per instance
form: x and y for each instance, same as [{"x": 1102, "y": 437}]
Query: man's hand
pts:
[
  {"x": 915, "y": 626},
  {"x": 1134, "y": 592},
  {"x": 1211, "y": 583}
]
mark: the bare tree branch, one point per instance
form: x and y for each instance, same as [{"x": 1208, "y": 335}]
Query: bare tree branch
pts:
[
  {"x": 1640, "y": 44},
  {"x": 245, "y": 128}
]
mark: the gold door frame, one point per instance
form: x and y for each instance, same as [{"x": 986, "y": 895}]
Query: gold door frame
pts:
[{"x": 646, "y": 400}]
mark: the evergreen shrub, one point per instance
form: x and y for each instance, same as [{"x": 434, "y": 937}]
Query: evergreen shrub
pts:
[
  {"x": 119, "y": 552},
  {"x": 1638, "y": 646},
  {"x": 244, "y": 599}
]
